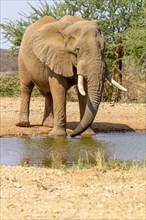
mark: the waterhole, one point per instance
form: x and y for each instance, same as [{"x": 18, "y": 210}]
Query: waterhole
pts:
[{"x": 42, "y": 150}]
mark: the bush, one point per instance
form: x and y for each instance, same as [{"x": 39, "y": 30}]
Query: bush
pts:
[{"x": 10, "y": 86}]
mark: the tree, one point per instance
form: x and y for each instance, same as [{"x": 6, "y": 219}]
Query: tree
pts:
[
  {"x": 121, "y": 21},
  {"x": 86, "y": 9},
  {"x": 134, "y": 40}
]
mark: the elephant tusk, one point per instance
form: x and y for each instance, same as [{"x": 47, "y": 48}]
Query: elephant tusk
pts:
[
  {"x": 81, "y": 85},
  {"x": 118, "y": 85}
]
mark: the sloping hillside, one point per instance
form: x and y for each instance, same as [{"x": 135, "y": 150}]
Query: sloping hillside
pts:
[{"x": 8, "y": 63}]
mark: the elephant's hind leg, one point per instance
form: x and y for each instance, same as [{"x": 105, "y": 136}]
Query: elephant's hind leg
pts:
[
  {"x": 48, "y": 112},
  {"x": 26, "y": 90}
]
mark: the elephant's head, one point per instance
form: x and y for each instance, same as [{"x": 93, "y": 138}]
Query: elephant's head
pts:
[{"x": 73, "y": 42}]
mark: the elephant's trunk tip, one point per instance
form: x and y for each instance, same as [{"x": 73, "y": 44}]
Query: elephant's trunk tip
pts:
[{"x": 80, "y": 129}]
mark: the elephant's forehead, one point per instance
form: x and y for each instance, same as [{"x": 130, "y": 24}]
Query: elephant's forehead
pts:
[
  {"x": 85, "y": 25},
  {"x": 83, "y": 28}
]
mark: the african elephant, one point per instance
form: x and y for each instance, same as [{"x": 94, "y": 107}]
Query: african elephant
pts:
[{"x": 56, "y": 54}]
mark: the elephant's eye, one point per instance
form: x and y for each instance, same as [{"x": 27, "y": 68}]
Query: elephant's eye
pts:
[{"x": 77, "y": 49}]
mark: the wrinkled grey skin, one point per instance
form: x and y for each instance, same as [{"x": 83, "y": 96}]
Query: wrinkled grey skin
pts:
[{"x": 52, "y": 55}]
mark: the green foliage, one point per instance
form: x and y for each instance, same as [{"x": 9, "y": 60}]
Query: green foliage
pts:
[
  {"x": 134, "y": 41},
  {"x": 42, "y": 10},
  {"x": 87, "y": 9},
  {"x": 10, "y": 86},
  {"x": 13, "y": 32}
]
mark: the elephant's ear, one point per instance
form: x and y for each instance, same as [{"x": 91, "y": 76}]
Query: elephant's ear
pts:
[{"x": 48, "y": 45}]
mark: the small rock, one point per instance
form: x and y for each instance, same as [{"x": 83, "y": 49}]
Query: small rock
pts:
[{"x": 17, "y": 185}]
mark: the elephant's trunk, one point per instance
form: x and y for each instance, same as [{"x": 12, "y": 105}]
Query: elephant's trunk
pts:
[{"x": 94, "y": 89}]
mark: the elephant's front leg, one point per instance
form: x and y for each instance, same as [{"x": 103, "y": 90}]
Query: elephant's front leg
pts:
[
  {"x": 58, "y": 91},
  {"x": 48, "y": 112}
]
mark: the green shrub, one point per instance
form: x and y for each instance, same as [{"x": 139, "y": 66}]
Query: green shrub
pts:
[{"x": 10, "y": 86}]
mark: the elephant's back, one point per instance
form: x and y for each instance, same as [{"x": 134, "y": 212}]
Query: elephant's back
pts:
[
  {"x": 31, "y": 29},
  {"x": 39, "y": 23}
]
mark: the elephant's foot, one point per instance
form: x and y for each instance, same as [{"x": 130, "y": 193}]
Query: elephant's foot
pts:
[
  {"x": 57, "y": 131},
  {"x": 23, "y": 124},
  {"x": 48, "y": 122},
  {"x": 89, "y": 132},
  {"x": 23, "y": 120}
]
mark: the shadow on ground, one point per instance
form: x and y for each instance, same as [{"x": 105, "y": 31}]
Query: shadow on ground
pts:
[{"x": 103, "y": 127}]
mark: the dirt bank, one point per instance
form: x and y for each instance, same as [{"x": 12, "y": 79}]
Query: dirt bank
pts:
[{"x": 110, "y": 117}]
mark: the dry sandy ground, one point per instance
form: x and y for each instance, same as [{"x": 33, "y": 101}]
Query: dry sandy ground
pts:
[
  {"x": 41, "y": 193},
  {"x": 30, "y": 193}
]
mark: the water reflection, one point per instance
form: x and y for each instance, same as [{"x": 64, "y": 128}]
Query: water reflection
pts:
[
  {"x": 44, "y": 150},
  {"x": 64, "y": 150}
]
